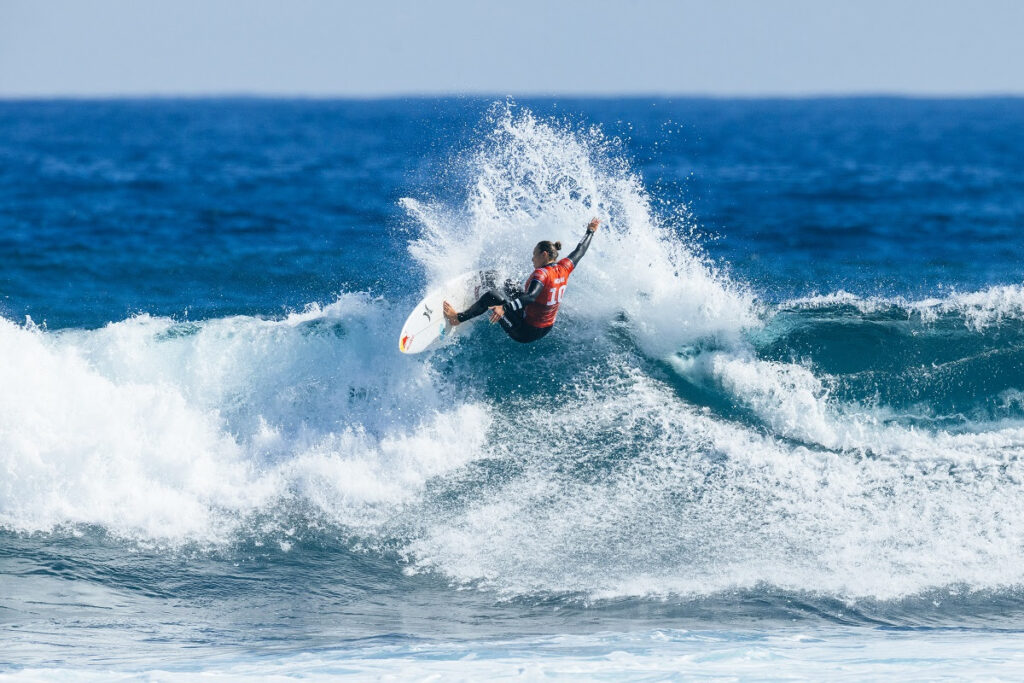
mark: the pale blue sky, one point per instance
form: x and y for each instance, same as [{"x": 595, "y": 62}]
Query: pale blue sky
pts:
[{"x": 387, "y": 47}]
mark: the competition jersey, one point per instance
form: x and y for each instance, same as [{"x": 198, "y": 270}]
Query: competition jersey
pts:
[{"x": 553, "y": 277}]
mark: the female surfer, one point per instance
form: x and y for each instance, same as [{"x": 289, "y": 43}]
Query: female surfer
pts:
[{"x": 528, "y": 315}]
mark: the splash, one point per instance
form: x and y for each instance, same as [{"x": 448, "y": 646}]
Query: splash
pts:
[{"x": 534, "y": 180}]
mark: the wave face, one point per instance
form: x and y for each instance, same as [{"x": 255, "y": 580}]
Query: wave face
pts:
[{"x": 689, "y": 443}]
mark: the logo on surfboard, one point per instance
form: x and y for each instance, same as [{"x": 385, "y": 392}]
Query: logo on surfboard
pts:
[{"x": 427, "y": 312}]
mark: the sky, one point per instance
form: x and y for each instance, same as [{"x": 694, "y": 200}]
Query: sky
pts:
[{"x": 371, "y": 48}]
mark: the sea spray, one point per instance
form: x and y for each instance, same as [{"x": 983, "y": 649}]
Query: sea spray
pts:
[{"x": 532, "y": 180}]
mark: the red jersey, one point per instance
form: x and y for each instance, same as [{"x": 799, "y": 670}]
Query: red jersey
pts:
[{"x": 544, "y": 309}]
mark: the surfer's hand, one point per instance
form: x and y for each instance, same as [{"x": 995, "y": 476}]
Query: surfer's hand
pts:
[
  {"x": 592, "y": 225},
  {"x": 496, "y": 313}
]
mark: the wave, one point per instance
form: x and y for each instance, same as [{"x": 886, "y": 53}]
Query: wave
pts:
[
  {"x": 176, "y": 432},
  {"x": 956, "y": 361},
  {"x": 977, "y": 311},
  {"x": 675, "y": 436}
]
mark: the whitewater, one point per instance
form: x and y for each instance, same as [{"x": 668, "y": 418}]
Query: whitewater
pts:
[{"x": 693, "y": 474}]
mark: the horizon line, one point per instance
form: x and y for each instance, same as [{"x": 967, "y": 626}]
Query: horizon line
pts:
[{"x": 495, "y": 95}]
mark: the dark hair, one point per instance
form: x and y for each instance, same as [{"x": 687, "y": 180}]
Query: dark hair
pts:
[{"x": 551, "y": 248}]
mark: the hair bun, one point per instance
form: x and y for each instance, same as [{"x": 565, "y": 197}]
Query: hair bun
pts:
[{"x": 558, "y": 246}]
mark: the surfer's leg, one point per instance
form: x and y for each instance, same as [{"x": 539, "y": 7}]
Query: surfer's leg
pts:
[
  {"x": 490, "y": 298},
  {"x": 450, "y": 314}
]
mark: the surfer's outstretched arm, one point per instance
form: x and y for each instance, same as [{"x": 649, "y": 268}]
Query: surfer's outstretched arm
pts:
[{"x": 581, "y": 248}]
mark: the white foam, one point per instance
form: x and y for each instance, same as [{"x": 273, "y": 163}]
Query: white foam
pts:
[
  {"x": 176, "y": 433},
  {"x": 631, "y": 492},
  {"x": 77, "y": 447},
  {"x": 361, "y": 482}
]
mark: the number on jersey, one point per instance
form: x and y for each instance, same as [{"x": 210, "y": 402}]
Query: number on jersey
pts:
[{"x": 556, "y": 295}]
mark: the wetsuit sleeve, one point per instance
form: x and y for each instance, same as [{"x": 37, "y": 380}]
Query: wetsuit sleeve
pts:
[
  {"x": 534, "y": 289},
  {"x": 580, "y": 249}
]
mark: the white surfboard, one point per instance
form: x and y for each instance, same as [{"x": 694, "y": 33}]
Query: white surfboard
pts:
[{"x": 426, "y": 329}]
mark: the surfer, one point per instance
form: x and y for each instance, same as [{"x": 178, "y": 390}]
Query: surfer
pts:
[{"x": 528, "y": 315}]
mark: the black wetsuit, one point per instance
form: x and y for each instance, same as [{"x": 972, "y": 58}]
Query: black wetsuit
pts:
[{"x": 513, "y": 321}]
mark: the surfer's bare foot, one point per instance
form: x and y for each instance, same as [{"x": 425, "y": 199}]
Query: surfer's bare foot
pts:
[{"x": 450, "y": 314}]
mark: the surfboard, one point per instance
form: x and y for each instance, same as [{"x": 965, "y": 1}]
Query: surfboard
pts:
[{"x": 426, "y": 329}]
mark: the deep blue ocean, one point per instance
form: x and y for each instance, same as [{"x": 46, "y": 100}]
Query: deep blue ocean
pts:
[{"x": 777, "y": 431}]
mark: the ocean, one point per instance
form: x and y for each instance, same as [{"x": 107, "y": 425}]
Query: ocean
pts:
[{"x": 776, "y": 433}]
